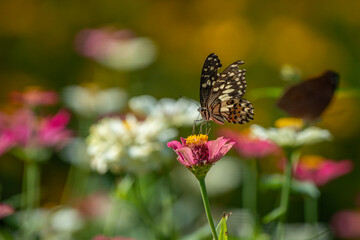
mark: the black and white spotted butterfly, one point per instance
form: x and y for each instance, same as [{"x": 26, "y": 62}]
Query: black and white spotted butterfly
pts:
[{"x": 221, "y": 93}]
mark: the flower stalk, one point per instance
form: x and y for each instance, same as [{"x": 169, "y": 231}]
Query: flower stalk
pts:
[
  {"x": 291, "y": 157},
  {"x": 250, "y": 186},
  {"x": 207, "y": 206}
]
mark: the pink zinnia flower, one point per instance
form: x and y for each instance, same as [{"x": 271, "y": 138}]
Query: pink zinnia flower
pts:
[
  {"x": 53, "y": 132},
  {"x": 102, "y": 237},
  {"x": 346, "y": 224},
  {"x": 5, "y": 210},
  {"x": 250, "y": 147},
  {"x": 34, "y": 97},
  {"x": 320, "y": 170},
  {"x": 198, "y": 154},
  {"x": 23, "y": 129}
]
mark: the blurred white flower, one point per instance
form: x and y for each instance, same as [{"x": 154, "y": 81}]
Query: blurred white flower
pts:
[
  {"x": 174, "y": 112},
  {"x": 92, "y": 101},
  {"x": 115, "y": 144},
  {"x": 116, "y": 49},
  {"x": 66, "y": 220},
  {"x": 290, "y": 136}
]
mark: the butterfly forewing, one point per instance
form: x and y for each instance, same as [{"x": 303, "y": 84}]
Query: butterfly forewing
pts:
[
  {"x": 223, "y": 98},
  {"x": 208, "y": 76}
]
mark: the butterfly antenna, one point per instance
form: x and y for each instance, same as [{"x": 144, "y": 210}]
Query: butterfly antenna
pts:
[{"x": 189, "y": 99}]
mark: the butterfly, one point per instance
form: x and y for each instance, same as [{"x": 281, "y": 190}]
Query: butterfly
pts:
[
  {"x": 221, "y": 93},
  {"x": 309, "y": 99}
]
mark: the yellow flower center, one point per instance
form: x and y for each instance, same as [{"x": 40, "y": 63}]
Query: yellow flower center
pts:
[
  {"x": 296, "y": 123},
  {"x": 196, "y": 139},
  {"x": 312, "y": 161}
]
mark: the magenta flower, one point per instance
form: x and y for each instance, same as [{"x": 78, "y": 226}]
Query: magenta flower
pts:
[
  {"x": 196, "y": 151},
  {"x": 346, "y": 224},
  {"x": 250, "y": 147},
  {"x": 25, "y": 130},
  {"x": 34, "y": 97},
  {"x": 320, "y": 170},
  {"x": 53, "y": 132},
  {"x": 5, "y": 210}
]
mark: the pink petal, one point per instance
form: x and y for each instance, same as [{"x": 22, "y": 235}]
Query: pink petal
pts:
[
  {"x": 5, "y": 210},
  {"x": 185, "y": 156},
  {"x": 218, "y": 148},
  {"x": 183, "y": 141},
  {"x": 174, "y": 145},
  {"x": 346, "y": 224},
  {"x": 331, "y": 170}
]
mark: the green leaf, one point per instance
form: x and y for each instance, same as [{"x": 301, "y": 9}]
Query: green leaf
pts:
[
  {"x": 221, "y": 228},
  {"x": 271, "y": 182},
  {"x": 275, "y": 181},
  {"x": 307, "y": 188},
  {"x": 273, "y": 215},
  {"x": 123, "y": 187}
]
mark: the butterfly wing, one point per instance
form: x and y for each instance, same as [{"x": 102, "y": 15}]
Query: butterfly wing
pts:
[
  {"x": 309, "y": 98},
  {"x": 208, "y": 77},
  {"x": 225, "y": 102},
  {"x": 237, "y": 110}
]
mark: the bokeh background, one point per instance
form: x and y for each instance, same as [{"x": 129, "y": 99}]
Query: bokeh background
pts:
[{"x": 42, "y": 44}]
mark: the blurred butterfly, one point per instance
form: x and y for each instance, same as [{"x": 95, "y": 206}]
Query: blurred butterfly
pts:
[
  {"x": 221, "y": 93},
  {"x": 310, "y": 98}
]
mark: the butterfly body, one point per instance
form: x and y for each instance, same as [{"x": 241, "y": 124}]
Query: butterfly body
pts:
[{"x": 221, "y": 93}]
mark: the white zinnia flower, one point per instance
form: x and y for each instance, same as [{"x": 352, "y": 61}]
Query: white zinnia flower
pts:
[
  {"x": 174, "y": 112},
  {"x": 92, "y": 101},
  {"x": 290, "y": 136},
  {"x": 115, "y": 144}
]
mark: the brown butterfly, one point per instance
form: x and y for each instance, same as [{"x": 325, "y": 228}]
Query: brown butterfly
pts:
[
  {"x": 221, "y": 93},
  {"x": 310, "y": 98}
]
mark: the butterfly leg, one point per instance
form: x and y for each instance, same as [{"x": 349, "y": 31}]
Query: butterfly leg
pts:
[
  {"x": 194, "y": 125},
  {"x": 208, "y": 131}
]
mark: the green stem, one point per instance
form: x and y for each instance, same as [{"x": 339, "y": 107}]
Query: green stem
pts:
[
  {"x": 311, "y": 210},
  {"x": 207, "y": 206},
  {"x": 285, "y": 193},
  {"x": 30, "y": 194},
  {"x": 31, "y": 185},
  {"x": 250, "y": 187}
]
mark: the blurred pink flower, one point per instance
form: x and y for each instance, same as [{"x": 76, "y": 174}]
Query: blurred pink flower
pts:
[
  {"x": 5, "y": 210},
  {"x": 320, "y": 170},
  {"x": 24, "y": 129},
  {"x": 346, "y": 224},
  {"x": 34, "y": 97},
  {"x": 250, "y": 147},
  {"x": 196, "y": 152},
  {"x": 102, "y": 237},
  {"x": 95, "y": 205},
  {"x": 114, "y": 48},
  {"x": 53, "y": 132}
]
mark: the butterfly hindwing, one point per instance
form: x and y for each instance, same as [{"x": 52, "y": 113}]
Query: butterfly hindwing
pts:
[
  {"x": 209, "y": 74},
  {"x": 237, "y": 110}
]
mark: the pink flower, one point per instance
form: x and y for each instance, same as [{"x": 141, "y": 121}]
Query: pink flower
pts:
[
  {"x": 250, "y": 147},
  {"x": 23, "y": 129},
  {"x": 95, "y": 205},
  {"x": 53, "y": 132},
  {"x": 346, "y": 224},
  {"x": 34, "y": 97},
  {"x": 102, "y": 237},
  {"x": 320, "y": 170},
  {"x": 5, "y": 210},
  {"x": 196, "y": 151}
]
